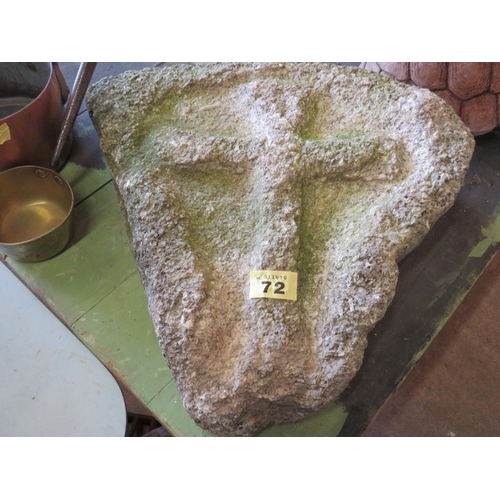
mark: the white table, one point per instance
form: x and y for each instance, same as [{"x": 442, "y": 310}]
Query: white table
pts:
[{"x": 50, "y": 383}]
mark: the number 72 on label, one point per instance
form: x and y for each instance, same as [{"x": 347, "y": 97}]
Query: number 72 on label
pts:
[{"x": 273, "y": 285}]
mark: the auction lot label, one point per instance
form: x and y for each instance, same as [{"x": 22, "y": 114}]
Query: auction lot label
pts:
[{"x": 273, "y": 285}]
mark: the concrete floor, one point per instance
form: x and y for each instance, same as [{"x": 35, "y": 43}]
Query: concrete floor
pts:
[{"x": 454, "y": 389}]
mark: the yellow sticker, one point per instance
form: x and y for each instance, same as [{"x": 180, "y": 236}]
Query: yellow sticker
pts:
[
  {"x": 4, "y": 133},
  {"x": 273, "y": 285}
]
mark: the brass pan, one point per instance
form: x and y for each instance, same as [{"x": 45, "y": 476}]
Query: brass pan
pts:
[{"x": 36, "y": 206}]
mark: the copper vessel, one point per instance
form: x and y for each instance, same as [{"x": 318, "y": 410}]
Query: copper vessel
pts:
[{"x": 32, "y": 98}]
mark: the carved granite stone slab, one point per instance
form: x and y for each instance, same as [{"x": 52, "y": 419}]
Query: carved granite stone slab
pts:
[{"x": 331, "y": 172}]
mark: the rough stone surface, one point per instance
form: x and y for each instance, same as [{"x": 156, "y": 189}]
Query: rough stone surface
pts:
[
  {"x": 467, "y": 86},
  {"x": 335, "y": 173}
]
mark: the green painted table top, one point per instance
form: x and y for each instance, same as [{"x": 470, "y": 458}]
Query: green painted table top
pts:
[{"x": 94, "y": 287}]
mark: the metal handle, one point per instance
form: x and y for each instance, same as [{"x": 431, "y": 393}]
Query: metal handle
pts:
[
  {"x": 62, "y": 82},
  {"x": 75, "y": 100}
]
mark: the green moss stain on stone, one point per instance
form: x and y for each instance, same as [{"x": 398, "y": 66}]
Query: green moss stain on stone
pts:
[
  {"x": 217, "y": 209},
  {"x": 307, "y": 131}
]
